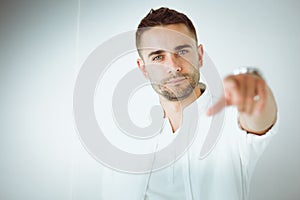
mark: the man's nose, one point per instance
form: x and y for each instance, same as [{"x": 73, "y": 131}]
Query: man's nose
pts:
[{"x": 173, "y": 63}]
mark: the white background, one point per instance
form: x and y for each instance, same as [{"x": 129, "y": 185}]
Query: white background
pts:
[{"x": 44, "y": 43}]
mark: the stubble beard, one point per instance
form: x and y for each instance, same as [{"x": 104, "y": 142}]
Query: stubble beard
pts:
[{"x": 180, "y": 91}]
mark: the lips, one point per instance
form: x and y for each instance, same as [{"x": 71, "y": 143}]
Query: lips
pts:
[{"x": 176, "y": 80}]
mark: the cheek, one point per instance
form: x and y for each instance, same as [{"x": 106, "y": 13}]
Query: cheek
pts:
[
  {"x": 155, "y": 73},
  {"x": 192, "y": 61},
  {"x": 188, "y": 60},
  {"x": 194, "y": 66}
]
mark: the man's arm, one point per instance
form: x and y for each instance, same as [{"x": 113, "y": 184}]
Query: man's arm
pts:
[{"x": 253, "y": 99}]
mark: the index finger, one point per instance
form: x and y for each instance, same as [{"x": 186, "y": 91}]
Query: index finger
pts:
[{"x": 217, "y": 107}]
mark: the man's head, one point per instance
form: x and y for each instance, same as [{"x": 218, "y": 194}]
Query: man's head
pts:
[
  {"x": 162, "y": 17},
  {"x": 169, "y": 55}
]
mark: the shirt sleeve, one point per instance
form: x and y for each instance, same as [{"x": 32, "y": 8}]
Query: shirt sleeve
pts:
[{"x": 252, "y": 146}]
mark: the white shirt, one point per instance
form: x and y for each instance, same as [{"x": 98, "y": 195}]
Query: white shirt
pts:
[{"x": 224, "y": 174}]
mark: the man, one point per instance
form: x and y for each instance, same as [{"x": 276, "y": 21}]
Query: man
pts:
[{"x": 171, "y": 59}]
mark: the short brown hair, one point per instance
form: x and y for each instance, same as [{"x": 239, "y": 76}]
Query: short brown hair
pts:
[{"x": 160, "y": 17}]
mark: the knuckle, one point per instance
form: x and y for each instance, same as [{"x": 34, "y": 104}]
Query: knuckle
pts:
[
  {"x": 239, "y": 102},
  {"x": 249, "y": 99}
]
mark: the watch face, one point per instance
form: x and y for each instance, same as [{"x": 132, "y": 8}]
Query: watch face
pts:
[{"x": 247, "y": 70}]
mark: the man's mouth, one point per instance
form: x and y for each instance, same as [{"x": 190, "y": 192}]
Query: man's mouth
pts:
[{"x": 175, "y": 81}]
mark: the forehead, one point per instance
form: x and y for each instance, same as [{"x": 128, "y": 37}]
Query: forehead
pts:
[{"x": 166, "y": 37}]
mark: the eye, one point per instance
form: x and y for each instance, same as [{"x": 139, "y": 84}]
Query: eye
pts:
[
  {"x": 157, "y": 58},
  {"x": 182, "y": 52}
]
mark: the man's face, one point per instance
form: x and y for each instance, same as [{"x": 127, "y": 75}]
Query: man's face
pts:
[{"x": 170, "y": 60}]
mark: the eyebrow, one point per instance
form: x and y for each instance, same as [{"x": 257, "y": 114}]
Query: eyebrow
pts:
[
  {"x": 163, "y": 51},
  {"x": 182, "y": 47},
  {"x": 156, "y": 52}
]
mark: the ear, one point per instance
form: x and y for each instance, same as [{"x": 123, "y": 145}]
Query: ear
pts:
[
  {"x": 142, "y": 67},
  {"x": 200, "y": 55}
]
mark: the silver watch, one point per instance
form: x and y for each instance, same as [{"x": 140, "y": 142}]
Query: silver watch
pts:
[{"x": 247, "y": 70}]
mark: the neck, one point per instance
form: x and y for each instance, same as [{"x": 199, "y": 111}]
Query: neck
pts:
[{"x": 173, "y": 109}]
